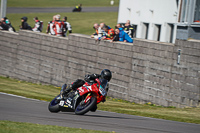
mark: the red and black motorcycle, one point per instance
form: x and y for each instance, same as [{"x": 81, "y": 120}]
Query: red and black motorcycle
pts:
[{"x": 81, "y": 100}]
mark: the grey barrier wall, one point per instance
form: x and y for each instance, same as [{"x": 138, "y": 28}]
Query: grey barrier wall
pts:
[{"x": 145, "y": 71}]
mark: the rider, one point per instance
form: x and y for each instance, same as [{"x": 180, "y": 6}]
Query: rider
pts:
[
  {"x": 77, "y": 8},
  {"x": 68, "y": 26},
  {"x": 105, "y": 74},
  {"x": 38, "y": 25}
]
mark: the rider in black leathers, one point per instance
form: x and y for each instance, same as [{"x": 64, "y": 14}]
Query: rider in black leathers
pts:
[{"x": 105, "y": 74}]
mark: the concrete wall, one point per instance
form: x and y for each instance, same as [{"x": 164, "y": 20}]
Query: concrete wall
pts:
[{"x": 145, "y": 71}]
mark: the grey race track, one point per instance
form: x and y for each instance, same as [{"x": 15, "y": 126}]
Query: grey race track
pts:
[
  {"x": 20, "y": 109},
  {"x": 59, "y": 9}
]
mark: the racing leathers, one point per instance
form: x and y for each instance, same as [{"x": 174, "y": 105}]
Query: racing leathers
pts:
[
  {"x": 38, "y": 26},
  {"x": 129, "y": 30},
  {"x": 79, "y": 82},
  {"x": 59, "y": 27},
  {"x": 50, "y": 28},
  {"x": 77, "y": 9},
  {"x": 68, "y": 27},
  {"x": 99, "y": 33}
]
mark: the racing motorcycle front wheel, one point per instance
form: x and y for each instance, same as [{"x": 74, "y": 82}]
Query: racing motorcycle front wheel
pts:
[
  {"x": 54, "y": 105},
  {"x": 83, "y": 108}
]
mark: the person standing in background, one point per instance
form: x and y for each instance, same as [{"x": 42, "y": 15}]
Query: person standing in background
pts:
[
  {"x": 59, "y": 26},
  {"x": 68, "y": 26},
  {"x": 38, "y": 25},
  {"x": 50, "y": 29},
  {"x": 24, "y": 25},
  {"x": 129, "y": 29}
]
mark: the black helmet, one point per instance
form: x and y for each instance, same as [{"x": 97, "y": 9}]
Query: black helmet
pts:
[{"x": 106, "y": 74}]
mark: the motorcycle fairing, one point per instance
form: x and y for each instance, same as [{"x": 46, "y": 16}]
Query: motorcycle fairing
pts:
[
  {"x": 87, "y": 88},
  {"x": 70, "y": 102}
]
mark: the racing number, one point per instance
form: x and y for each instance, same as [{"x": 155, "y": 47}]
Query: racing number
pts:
[{"x": 61, "y": 103}]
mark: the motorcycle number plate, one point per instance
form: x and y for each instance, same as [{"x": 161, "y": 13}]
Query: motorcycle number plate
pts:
[
  {"x": 102, "y": 91},
  {"x": 61, "y": 103}
]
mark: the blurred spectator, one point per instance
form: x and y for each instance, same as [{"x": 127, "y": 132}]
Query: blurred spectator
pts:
[
  {"x": 77, "y": 8},
  {"x": 99, "y": 32},
  {"x": 109, "y": 33},
  {"x": 102, "y": 25},
  {"x": 59, "y": 26},
  {"x": 129, "y": 29},
  {"x": 24, "y": 24},
  {"x": 38, "y": 25},
  {"x": 6, "y": 21},
  {"x": 123, "y": 36},
  {"x": 119, "y": 26},
  {"x": 197, "y": 21},
  {"x": 50, "y": 29},
  {"x": 96, "y": 27},
  {"x": 3, "y": 20},
  {"x": 116, "y": 36},
  {"x": 103, "y": 31},
  {"x": 3, "y": 26},
  {"x": 68, "y": 27}
]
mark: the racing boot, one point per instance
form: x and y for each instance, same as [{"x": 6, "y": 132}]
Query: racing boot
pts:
[
  {"x": 68, "y": 88},
  {"x": 65, "y": 90}
]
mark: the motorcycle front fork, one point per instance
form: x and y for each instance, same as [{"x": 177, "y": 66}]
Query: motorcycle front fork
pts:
[{"x": 85, "y": 100}]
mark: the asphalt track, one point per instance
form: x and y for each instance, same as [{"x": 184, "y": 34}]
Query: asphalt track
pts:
[
  {"x": 20, "y": 109},
  {"x": 59, "y": 9}
]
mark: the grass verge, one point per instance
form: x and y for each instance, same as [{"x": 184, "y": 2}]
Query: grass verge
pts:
[
  {"x": 48, "y": 92},
  {"x": 19, "y": 127}
]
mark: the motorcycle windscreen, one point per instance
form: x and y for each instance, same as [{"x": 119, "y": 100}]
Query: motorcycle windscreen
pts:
[{"x": 102, "y": 88}]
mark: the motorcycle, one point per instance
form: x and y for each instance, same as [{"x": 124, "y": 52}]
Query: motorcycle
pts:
[{"x": 81, "y": 100}]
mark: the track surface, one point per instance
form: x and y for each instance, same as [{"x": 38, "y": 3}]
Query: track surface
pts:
[
  {"x": 21, "y": 109},
  {"x": 59, "y": 9}
]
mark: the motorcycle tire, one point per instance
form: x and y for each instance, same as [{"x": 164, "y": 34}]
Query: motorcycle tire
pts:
[
  {"x": 94, "y": 108},
  {"x": 54, "y": 105},
  {"x": 82, "y": 109}
]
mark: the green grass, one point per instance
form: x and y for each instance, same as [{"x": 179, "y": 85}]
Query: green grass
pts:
[
  {"x": 48, "y": 92},
  {"x": 59, "y": 3},
  {"x": 19, "y": 127},
  {"x": 81, "y": 22},
  {"x": 190, "y": 115}
]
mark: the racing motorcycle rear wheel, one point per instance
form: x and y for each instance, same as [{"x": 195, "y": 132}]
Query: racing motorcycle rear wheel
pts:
[
  {"x": 54, "y": 105},
  {"x": 83, "y": 108}
]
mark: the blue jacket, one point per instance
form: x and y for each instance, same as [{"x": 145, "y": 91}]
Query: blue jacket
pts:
[{"x": 124, "y": 36}]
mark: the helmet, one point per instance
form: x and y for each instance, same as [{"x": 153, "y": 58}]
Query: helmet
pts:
[{"x": 106, "y": 74}]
